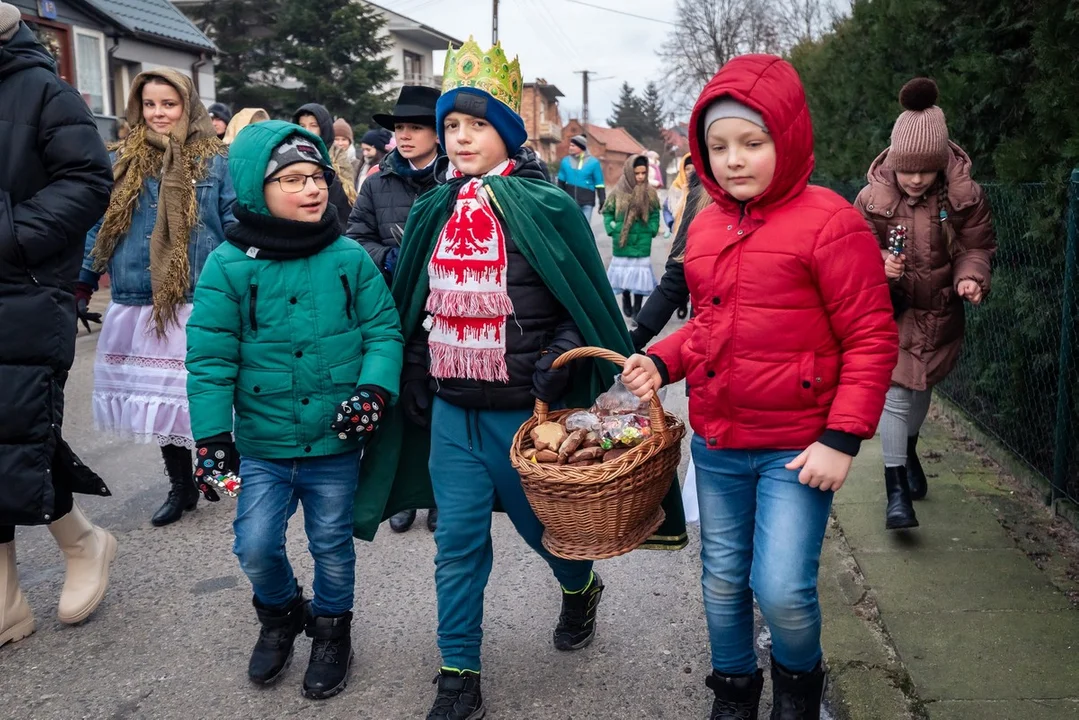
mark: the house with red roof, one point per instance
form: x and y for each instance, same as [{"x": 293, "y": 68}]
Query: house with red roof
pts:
[{"x": 611, "y": 146}]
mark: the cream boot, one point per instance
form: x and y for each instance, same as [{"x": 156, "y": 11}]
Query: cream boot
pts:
[
  {"x": 16, "y": 620},
  {"x": 88, "y": 550}
]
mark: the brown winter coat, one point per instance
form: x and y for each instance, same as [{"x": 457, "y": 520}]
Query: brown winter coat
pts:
[{"x": 931, "y": 328}]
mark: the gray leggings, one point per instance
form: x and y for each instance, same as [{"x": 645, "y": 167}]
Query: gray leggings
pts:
[{"x": 904, "y": 413}]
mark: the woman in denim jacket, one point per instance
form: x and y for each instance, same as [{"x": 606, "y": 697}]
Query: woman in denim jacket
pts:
[{"x": 169, "y": 209}]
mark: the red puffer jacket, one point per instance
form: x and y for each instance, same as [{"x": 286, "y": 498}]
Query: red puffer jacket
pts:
[{"x": 793, "y": 339}]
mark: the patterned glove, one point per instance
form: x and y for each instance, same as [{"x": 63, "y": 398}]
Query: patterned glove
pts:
[
  {"x": 215, "y": 457},
  {"x": 361, "y": 414}
]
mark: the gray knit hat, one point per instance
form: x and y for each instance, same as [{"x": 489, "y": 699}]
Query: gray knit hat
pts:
[
  {"x": 9, "y": 21},
  {"x": 920, "y": 135},
  {"x": 580, "y": 141},
  {"x": 294, "y": 149}
]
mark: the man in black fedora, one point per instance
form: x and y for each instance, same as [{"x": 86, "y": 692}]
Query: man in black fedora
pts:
[{"x": 378, "y": 218}]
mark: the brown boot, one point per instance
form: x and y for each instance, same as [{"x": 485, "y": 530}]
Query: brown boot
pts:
[
  {"x": 16, "y": 620},
  {"x": 89, "y": 550}
]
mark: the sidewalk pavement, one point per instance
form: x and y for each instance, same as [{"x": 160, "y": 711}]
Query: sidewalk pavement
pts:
[{"x": 972, "y": 616}]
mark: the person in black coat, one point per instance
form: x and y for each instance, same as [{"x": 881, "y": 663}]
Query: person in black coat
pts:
[
  {"x": 317, "y": 119},
  {"x": 55, "y": 179},
  {"x": 377, "y": 221},
  {"x": 672, "y": 294}
]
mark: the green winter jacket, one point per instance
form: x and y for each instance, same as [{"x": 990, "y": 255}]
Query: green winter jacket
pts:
[
  {"x": 639, "y": 239},
  {"x": 278, "y": 344}
]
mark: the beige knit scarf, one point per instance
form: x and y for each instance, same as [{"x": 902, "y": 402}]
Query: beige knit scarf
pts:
[{"x": 180, "y": 159}]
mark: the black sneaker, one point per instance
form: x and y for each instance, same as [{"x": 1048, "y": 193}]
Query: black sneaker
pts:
[
  {"x": 331, "y": 656},
  {"x": 797, "y": 696},
  {"x": 273, "y": 650},
  {"x": 577, "y": 622},
  {"x": 459, "y": 697}
]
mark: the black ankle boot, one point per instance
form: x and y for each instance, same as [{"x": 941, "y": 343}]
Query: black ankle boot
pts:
[
  {"x": 797, "y": 696},
  {"x": 459, "y": 697},
  {"x": 627, "y": 303},
  {"x": 900, "y": 512},
  {"x": 280, "y": 626},
  {"x": 919, "y": 486},
  {"x": 577, "y": 622},
  {"x": 638, "y": 300},
  {"x": 402, "y": 521},
  {"x": 183, "y": 495},
  {"x": 737, "y": 696},
  {"x": 331, "y": 656},
  {"x": 432, "y": 519}
]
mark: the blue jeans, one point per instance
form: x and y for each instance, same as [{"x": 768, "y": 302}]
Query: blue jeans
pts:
[
  {"x": 587, "y": 210},
  {"x": 470, "y": 465},
  {"x": 761, "y": 534},
  {"x": 272, "y": 489}
]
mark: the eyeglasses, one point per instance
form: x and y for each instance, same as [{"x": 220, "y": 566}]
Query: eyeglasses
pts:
[{"x": 293, "y": 184}]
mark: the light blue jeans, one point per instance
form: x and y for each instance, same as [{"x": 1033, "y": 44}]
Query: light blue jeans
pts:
[
  {"x": 587, "y": 210},
  {"x": 761, "y": 534},
  {"x": 272, "y": 489}
]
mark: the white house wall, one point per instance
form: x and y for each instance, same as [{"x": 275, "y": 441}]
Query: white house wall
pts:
[{"x": 145, "y": 56}]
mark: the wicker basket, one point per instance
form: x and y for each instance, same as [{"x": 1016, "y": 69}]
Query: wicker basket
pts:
[{"x": 600, "y": 511}]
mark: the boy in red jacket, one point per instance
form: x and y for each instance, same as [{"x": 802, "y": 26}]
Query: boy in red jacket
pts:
[{"x": 788, "y": 359}]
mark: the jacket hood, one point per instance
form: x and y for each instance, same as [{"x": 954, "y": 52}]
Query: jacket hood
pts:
[
  {"x": 249, "y": 154},
  {"x": 885, "y": 193},
  {"x": 771, "y": 86},
  {"x": 23, "y": 51},
  {"x": 325, "y": 120}
]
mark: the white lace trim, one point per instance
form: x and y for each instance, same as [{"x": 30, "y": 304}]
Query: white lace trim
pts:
[
  {"x": 142, "y": 399},
  {"x": 158, "y": 363}
]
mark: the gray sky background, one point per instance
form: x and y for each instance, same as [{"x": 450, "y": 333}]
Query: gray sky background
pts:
[{"x": 554, "y": 38}]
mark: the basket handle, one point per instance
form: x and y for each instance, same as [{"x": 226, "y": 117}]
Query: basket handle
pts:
[{"x": 655, "y": 409}]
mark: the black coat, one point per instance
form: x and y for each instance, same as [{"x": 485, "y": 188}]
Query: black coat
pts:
[
  {"x": 55, "y": 179},
  {"x": 378, "y": 219},
  {"x": 338, "y": 198},
  {"x": 539, "y": 322},
  {"x": 673, "y": 291}
]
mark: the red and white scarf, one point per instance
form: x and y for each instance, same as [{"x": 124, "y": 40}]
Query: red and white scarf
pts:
[{"x": 468, "y": 301}]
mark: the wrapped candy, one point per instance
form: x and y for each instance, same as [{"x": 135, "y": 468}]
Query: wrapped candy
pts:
[
  {"x": 897, "y": 240},
  {"x": 228, "y": 483},
  {"x": 624, "y": 431}
]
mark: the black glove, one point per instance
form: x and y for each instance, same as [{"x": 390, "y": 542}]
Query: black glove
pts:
[
  {"x": 214, "y": 456},
  {"x": 640, "y": 337},
  {"x": 416, "y": 401},
  {"x": 83, "y": 293},
  {"x": 683, "y": 310},
  {"x": 550, "y": 385},
  {"x": 361, "y": 414}
]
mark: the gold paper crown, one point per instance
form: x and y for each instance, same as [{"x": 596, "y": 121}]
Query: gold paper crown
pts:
[{"x": 491, "y": 71}]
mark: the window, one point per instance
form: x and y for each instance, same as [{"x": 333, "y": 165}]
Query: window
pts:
[
  {"x": 413, "y": 74},
  {"x": 91, "y": 70}
]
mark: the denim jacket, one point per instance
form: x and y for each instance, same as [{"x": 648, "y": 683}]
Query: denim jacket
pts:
[{"x": 129, "y": 268}]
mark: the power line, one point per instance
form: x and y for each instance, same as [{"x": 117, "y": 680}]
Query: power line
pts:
[{"x": 621, "y": 12}]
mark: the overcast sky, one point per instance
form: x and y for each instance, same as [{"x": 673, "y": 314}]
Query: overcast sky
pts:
[{"x": 554, "y": 38}]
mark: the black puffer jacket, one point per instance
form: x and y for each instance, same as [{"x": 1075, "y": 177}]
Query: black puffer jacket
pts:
[
  {"x": 55, "y": 180},
  {"x": 338, "y": 198},
  {"x": 378, "y": 218},
  {"x": 539, "y": 323}
]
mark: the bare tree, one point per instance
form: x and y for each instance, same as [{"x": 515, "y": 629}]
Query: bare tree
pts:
[{"x": 711, "y": 32}]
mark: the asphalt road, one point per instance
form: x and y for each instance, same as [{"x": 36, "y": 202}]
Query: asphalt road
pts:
[{"x": 171, "y": 639}]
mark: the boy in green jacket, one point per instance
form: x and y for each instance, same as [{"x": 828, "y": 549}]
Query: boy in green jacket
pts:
[{"x": 289, "y": 320}]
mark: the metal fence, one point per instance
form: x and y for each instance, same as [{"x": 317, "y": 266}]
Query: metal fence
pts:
[{"x": 1018, "y": 378}]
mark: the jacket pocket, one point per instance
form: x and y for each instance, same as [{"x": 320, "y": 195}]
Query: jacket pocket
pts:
[
  {"x": 255, "y": 382},
  {"x": 346, "y": 375},
  {"x": 348, "y": 295},
  {"x": 252, "y": 307},
  {"x": 825, "y": 378}
]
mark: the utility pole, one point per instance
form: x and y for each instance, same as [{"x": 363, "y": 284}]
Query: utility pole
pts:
[
  {"x": 494, "y": 22},
  {"x": 584, "y": 92}
]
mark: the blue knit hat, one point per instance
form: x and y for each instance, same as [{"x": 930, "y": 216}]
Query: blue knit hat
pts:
[{"x": 472, "y": 101}]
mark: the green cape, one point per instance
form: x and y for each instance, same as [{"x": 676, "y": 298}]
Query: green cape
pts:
[{"x": 556, "y": 240}]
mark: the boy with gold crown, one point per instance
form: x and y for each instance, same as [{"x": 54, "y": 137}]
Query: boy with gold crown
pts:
[{"x": 498, "y": 275}]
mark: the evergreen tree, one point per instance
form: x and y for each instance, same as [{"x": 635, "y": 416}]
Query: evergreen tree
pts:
[
  {"x": 655, "y": 115},
  {"x": 629, "y": 113},
  {"x": 336, "y": 50}
]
